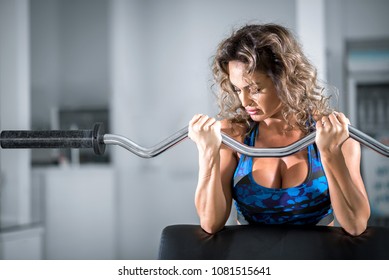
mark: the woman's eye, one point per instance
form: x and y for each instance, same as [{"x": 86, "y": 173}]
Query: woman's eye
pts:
[{"x": 256, "y": 91}]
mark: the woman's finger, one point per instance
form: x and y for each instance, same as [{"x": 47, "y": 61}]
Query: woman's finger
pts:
[
  {"x": 199, "y": 120},
  {"x": 202, "y": 122},
  {"x": 319, "y": 125},
  {"x": 334, "y": 120},
  {"x": 208, "y": 123},
  {"x": 195, "y": 119},
  {"x": 342, "y": 118},
  {"x": 325, "y": 122}
]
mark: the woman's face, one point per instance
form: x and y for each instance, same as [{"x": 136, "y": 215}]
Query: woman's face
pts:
[{"x": 256, "y": 92}]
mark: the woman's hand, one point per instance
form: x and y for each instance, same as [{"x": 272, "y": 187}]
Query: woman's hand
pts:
[
  {"x": 341, "y": 159},
  {"x": 205, "y": 132},
  {"x": 331, "y": 133}
]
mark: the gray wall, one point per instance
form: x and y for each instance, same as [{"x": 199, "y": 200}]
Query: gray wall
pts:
[
  {"x": 351, "y": 20},
  {"x": 69, "y": 56},
  {"x": 14, "y": 110}
]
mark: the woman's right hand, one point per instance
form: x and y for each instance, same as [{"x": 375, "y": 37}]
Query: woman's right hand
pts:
[{"x": 205, "y": 132}]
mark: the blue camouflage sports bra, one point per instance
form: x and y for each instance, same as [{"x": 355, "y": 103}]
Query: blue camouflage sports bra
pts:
[{"x": 305, "y": 204}]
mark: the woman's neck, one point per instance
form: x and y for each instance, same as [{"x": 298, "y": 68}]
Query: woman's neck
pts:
[{"x": 278, "y": 125}]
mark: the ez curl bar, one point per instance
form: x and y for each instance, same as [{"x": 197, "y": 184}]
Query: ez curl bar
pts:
[{"x": 96, "y": 139}]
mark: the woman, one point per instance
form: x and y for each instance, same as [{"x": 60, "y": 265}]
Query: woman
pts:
[{"x": 269, "y": 97}]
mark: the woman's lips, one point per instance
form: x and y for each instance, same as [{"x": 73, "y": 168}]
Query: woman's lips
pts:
[{"x": 252, "y": 111}]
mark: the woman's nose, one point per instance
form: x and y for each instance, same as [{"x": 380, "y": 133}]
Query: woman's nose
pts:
[{"x": 246, "y": 98}]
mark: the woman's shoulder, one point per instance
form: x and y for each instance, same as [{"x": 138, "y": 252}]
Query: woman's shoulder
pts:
[{"x": 234, "y": 129}]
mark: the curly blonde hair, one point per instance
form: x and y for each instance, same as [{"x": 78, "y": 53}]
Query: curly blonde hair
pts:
[{"x": 272, "y": 50}]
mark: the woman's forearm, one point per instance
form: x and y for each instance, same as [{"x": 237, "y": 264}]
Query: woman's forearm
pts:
[
  {"x": 350, "y": 204},
  {"x": 210, "y": 200}
]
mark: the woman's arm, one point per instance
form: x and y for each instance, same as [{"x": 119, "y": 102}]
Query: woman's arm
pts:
[
  {"x": 341, "y": 158},
  {"x": 217, "y": 163}
]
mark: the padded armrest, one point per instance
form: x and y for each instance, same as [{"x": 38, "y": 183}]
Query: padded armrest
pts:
[{"x": 273, "y": 243}]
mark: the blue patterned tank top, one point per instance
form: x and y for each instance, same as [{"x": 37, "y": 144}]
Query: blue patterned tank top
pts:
[{"x": 306, "y": 204}]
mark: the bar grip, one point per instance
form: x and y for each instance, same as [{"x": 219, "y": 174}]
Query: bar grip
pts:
[{"x": 49, "y": 139}]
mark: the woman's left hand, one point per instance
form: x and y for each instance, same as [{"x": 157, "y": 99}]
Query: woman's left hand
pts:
[{"x": 331, "y": 133}]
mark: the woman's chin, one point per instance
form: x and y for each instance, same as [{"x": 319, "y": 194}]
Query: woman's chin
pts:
[{"x": 257, "y": 117}]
